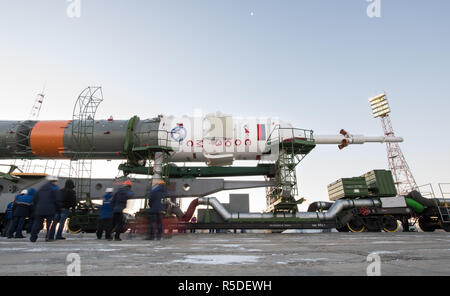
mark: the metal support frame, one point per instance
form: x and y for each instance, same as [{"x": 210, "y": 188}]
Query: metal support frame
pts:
[
  {"x": 404, "y": 180},
  {"x": 444, "y": 211},
  {"x": 403, "y": 177},
  {"x": 83, "y": 121},
  {"x": 291, "y": 145},
  {"x": 205, "y": 172},
  {"x": 156, "y": 153},
  {"x": 203, "y": 187},
  {"x": 278, "y": 225}
]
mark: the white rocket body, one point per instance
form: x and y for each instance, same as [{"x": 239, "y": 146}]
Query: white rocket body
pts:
[{"x": 219, "y": 139}]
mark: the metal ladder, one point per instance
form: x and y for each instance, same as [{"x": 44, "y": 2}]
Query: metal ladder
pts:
[
  {"x": 444, "y": 211},
  {"x": 83, "y": 122},
  {"x": 444, "y": 214}
]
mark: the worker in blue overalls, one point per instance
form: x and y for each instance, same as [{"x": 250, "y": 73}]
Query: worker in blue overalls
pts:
[
  {"x": 106, "y": 215},
  {"x": 7, "y": 223},
  {"x": 155, "y": 219},
  {"x": 22, "y": 210}
]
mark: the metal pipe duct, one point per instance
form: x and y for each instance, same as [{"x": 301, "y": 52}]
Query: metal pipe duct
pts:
[
  {"x": 254, "y": 215},
  {"x": 331, "y": 214},
  {"x": 216, "y": 206},
  {"x": 339, "y": 206},
  {"x": 320, "y": 205}
]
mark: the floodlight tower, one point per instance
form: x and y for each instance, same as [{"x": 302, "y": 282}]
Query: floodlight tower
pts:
[{"x": 403, "y": 177}]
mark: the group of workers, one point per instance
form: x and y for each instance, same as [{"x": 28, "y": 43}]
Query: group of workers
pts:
[
  {"x": 53, "y": 205},
  {"x": 49, "y": 203}
]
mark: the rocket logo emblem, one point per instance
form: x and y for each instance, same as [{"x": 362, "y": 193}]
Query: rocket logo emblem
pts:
[{"x": 178, "y": 133}]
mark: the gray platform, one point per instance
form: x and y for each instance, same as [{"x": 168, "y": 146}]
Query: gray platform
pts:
[{"x": 234, "y": 254}]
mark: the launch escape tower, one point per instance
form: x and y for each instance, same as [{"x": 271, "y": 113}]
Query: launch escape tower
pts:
[
  {"x": 404, "y": 179},
  {"x": 83, "y": 121}
]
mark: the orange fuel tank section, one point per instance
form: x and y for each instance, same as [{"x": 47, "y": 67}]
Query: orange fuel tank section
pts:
[{"x": 46, "y": 139}]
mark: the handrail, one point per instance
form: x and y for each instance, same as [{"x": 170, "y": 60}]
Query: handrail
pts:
[
  {"x": 307, "y": 134},
  {"x": 443, "y": 194},
  {"x": 426, "y": 193}
]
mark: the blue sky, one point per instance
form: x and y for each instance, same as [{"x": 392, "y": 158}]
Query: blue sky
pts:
[{"x": 313, "y": 63}]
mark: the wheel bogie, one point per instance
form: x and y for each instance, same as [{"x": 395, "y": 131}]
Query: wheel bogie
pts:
[
  {"x": 371, "y": 223},
  {"x": 428, "y": 224},
  {"x": 390, "y": 224},
  {"x": 356, "y": 225},
  {"x": 445, "y": 226},
  {"x": 343, "y": 229}
]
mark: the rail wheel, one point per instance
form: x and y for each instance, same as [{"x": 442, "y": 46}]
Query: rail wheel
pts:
[
  {"x": 390, "y": 224},
  {"x": 73, "y": 227},
  {"x": 356, "y": 225},
  {"x": 343, "y": 229},
  {"x": 426, "y": 224},
  {"x": 445, "y": 226}
]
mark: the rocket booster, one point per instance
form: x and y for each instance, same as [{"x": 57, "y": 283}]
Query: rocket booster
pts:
[{"x": 211, "y": 138}]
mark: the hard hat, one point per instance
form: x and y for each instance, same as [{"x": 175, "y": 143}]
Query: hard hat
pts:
[
  {"x": 24, "y": 192},
  {"x": 127, "y": 183},
  {"x": 109, "y": 190},
  {"x": 160, "y": 182},
  {"x": 52, "y": 178}
]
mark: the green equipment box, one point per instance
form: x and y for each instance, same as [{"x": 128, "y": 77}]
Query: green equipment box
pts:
[
  {"x": 380, "y": 183},
  {"x": 348, "y": 188}
]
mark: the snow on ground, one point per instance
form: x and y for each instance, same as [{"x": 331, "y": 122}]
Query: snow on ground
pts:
[{"x": 217, "y": 259}]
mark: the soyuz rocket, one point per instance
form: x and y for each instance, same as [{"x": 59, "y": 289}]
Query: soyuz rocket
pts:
[{"x": 215, "y": 139}]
